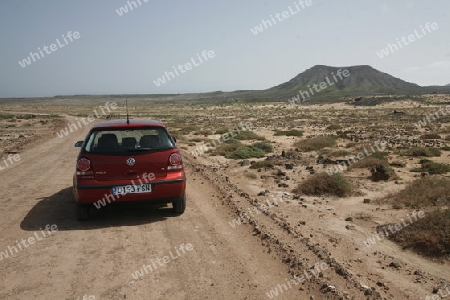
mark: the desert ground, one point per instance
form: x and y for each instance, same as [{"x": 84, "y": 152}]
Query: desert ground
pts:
[{"x": 264, "y": 219}]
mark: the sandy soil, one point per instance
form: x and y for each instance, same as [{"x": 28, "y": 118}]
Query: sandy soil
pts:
[{"x": 98, "y": 258}]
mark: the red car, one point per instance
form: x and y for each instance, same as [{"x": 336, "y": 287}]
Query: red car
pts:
[{"x": 128, "y": 161}]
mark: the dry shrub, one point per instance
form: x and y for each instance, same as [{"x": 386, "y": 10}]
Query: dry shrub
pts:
[
  {"x": 431, "y": 136},
  {"x": 432, "y": 167},
  {"x": 324, "y": 184},
  {"x": 429, "y": 236},
  {"x": 292, "y": 132},
  {"x": 340, "y": 153},
  {"x": 316, "y": 143},
  {"x": 422, "y": 151},
  {"x": 424, "y": 192},
  {"x": 369, "y": 162}
]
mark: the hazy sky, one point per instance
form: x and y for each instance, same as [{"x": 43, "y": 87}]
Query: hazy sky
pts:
[{"x": 126, "y": 54}]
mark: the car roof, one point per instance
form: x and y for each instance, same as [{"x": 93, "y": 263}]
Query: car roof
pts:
[{"x": 122, "y": 123}]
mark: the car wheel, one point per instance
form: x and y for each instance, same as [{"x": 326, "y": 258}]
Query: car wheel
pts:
[
  {"x": 83, "y": 212},
  {"x": 179, "y": 205}
]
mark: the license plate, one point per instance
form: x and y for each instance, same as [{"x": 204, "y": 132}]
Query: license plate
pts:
[{"x": 132, "y": 189}]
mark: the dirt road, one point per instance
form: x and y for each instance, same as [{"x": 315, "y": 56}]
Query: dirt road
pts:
[{"x": 97, "y": 258}]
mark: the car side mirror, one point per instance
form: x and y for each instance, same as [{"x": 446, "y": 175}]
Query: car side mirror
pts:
[
  {"x": 79, "y": 144},
  {"x": 175, "y": 140}
]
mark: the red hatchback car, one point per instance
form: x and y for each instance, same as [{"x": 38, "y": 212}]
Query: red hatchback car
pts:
[{"x": 128, "y": 161}]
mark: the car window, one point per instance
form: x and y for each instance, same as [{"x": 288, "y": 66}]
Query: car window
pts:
[{"x": 124, "y": 141}]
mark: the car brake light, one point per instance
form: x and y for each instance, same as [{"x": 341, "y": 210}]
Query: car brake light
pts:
[
  {"x": 175, "y": 162},
  {"x": 84, "y": 167}
]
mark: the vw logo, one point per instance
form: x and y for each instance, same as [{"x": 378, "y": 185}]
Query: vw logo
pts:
[{"x": 131, "y": 162}]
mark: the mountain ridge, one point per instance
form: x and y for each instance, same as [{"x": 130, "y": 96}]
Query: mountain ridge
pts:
[{"x": 362, "y": 80}]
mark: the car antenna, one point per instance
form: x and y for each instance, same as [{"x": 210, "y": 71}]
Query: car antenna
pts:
[{"x": 126, "y": 104}]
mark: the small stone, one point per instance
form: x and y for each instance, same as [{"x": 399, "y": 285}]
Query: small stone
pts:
[
  {"x": 395, "y": 265},
  {"x": 289, "y": 166},
  {"x": 244, "y": 163}
]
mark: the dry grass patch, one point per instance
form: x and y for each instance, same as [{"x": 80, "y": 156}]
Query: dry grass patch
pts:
[{"x": 250, "y": 175}]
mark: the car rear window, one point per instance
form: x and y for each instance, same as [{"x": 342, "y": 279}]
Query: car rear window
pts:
[{"x": 126, "y": 141}]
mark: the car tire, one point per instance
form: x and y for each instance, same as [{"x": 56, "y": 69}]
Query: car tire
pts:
[
  {"x": 179, "y": 205},
  {"x": 83, "y": 213}
]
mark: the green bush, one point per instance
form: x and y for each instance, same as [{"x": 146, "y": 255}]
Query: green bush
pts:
[
  {"x": 432, "y": 167},
  {"x": 266, "y": 147},
  {"x": 246, "y": 152},
  {"x": 221, "y": 131},
  {"x": 227, "y": 147},
  {"x": 248, "y": 135}
]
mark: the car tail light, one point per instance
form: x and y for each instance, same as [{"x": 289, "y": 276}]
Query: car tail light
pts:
[
  {"x": 175, "y": 162},
  {"x": 84, "y": 167}
]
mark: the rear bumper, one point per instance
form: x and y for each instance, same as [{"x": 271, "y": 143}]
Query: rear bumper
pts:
[{"x": 163, "y": 191}]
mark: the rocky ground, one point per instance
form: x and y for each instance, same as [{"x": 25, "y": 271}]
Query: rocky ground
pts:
[{"x": 256, "y": 211}]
